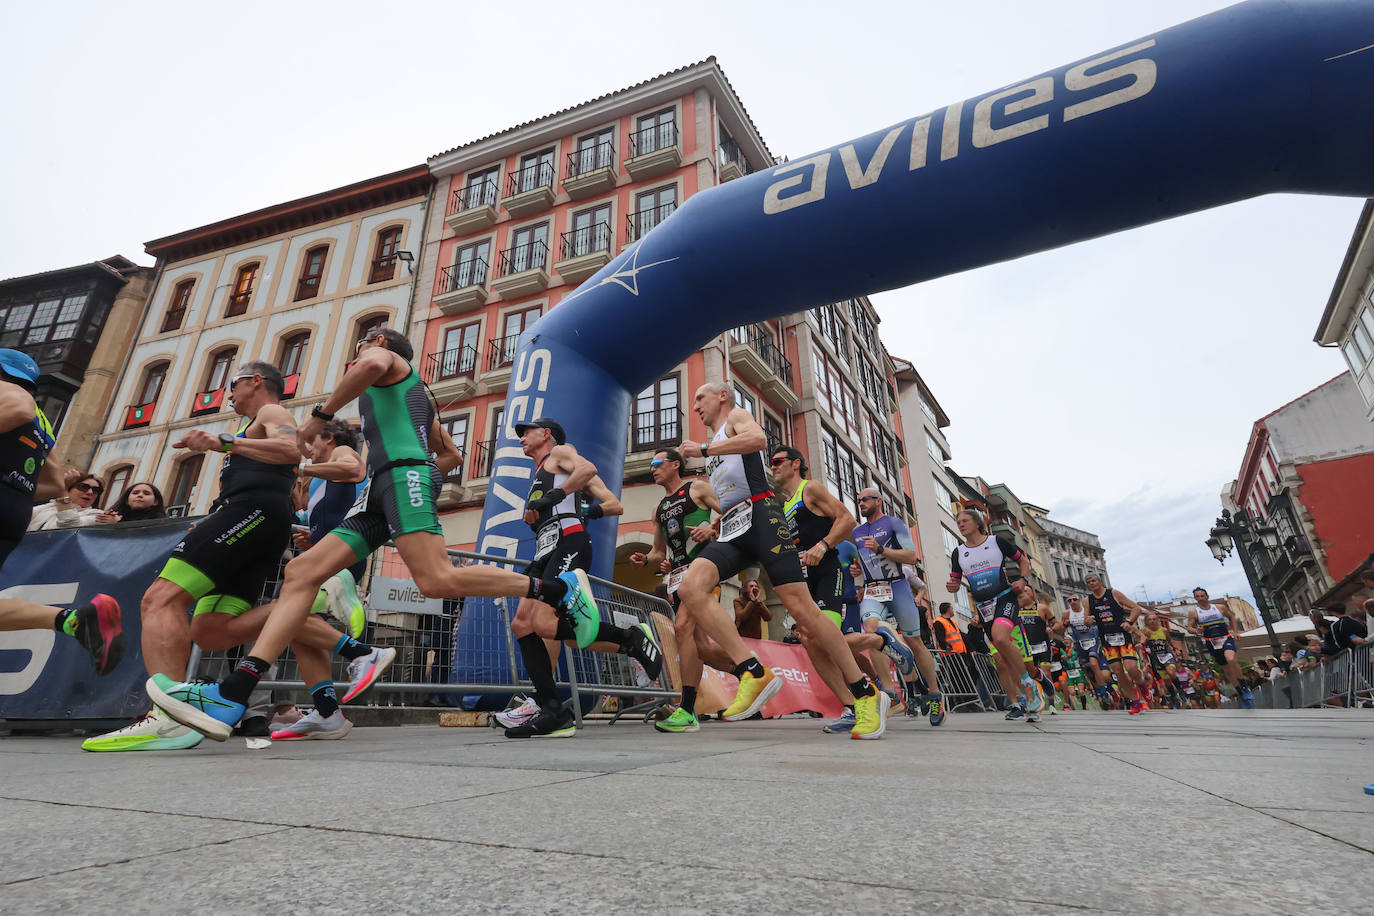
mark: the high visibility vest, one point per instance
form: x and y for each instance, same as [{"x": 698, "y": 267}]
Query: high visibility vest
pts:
[{"x": 952, "y": 634}]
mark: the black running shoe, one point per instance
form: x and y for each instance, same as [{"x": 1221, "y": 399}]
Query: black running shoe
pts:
[
  {"x": 641, "y": 647},
  {"x": 100, "y": 632},
  {"x": 550, "y": 723}
]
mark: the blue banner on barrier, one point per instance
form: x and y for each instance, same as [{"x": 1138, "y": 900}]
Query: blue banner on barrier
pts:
[{"x": 45, "y": 675}]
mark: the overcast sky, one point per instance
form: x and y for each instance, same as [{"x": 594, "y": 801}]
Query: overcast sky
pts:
[{"x": 1141, "y": 360}]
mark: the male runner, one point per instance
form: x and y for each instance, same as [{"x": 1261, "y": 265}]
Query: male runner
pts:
[
  {"x": 1083, "y": 628},
  {"x": 885, "y": 544},
  {"x": 26, "y": 476},
  {"x": 562, "y": 545},
  {"x": 819, "y": 523},
  {"x": 1216, "y": 623},
  {"x": 398, "y": 503},
  {"x": 1032, "y": 616},
  {"x": 1184, "y": 678},
  {"x": 754, "y": 532},
  {"x": 335, "y": 473},
  {"x": 1074, "y": 678},
  {"x": 980, "y": 558},
  {"x": 1115, "y": 614},
  {"x": 1161, "y": 652},
  {"x": 682, "y": 526}
]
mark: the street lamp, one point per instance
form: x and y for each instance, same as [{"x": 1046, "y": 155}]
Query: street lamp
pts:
[
  {"x": 1269, "y": 536},
  {"x": 1231, "y": 532}
]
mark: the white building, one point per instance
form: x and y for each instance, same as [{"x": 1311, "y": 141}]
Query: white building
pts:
[{"x": 1348, "y": 321}]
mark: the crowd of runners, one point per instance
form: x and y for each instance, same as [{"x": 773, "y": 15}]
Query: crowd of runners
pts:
[{"x": 861, "y": 613}]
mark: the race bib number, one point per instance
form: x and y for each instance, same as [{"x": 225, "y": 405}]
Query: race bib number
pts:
[
  {"x": 987, "y": 608},
  {"x": 736, "y": 521},
  {"x": 1038, "y": 647},
  {"x": 1115, "y": 639},
  {"x": 547, "y": 540},
  {"x": 675, "y": 579},
  {"x": 1166, "y": 658},
  {"x": 1088, "y": 645},
  {"x": 1218, "y": 642},
  {"x": 361, "y": 502},
  {"x": 880, "y": 591}
]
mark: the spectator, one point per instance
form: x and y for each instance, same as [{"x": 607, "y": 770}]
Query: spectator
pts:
[
  {"x": 1323, "y": 628},
  {"x": 1286, "y": 659},
  {"x": 750, "y": 611},
  {"x": 140, "y": 502},
  {"x": 793, "y": 638},
  {"x": 75, "y": 509},
  {"x": 1346, "y": 633}
]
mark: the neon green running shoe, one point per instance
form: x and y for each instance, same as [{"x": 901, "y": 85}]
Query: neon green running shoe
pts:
[
  {"x": 581, "y": 607},
  {"x": 154, "y": 732},
  {"x": 344, "y": 603},
  {"x": 680, "y": 721}
]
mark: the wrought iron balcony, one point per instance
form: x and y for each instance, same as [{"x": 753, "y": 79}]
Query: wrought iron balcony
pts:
[
  {"x": 472, "y": 207},
  {"x": 501, "y": 352},
  {"x": 456, "y": 362},
  {"x": 640, "y": 222},
  {"x": 590, "y": 171},
  {"x": 654, "y": 151},
  {"x": 656, "y": 429}
]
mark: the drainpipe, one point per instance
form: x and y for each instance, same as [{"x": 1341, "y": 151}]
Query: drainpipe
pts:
[
  {"x": 124, "y": 369},
  {"x": 418, "y": 262}
]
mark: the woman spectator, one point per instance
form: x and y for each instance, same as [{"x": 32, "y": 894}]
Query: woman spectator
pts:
[
  {"x": 140, "y": 502},
  {"x": 75, "y": 509}
]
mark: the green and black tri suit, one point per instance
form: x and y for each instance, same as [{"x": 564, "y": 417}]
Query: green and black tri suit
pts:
[
  {"x": 676, "y": 515},
  {"x": 23, "y": 450}
]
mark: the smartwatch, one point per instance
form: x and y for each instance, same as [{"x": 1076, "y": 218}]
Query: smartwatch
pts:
[
  {"x": 704, "y": 446},
  {"x": 320, "y": 414},
  {"x": 226, "y": 442}
]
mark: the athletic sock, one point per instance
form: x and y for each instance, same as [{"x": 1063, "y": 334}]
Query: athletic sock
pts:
[
  {"x": 65, "y": 621},
  {"x": 609, "y": 632},
  {"x": 863, "y": 687},
  {"x": 550, "y": 591},
  {"x": 539, "y": 669},
  {"x": 243, "y": 680},
  {"x": 750, "y": 666},
  {"x": 689, "y": 699},
  {"x": 915, "y": 690},
  {"x": 326, "y": 700},
  {"x": 350, "y": 648},
  {"x": 1083, "y": 701}
]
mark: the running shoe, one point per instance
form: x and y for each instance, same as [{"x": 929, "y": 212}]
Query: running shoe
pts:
[
  {"x": 581, "y": 605},
  {"x": 1247, "y": 699},
  {"x": 1035, "y": 697},
  {"x": 1135, "y": 708},
  {"x": 198, "y": 706},
  {"x": 844, "y": 723},
  {"x": 870, "y": 716},
  {"x": 935, "y": 708},
  {"x": 517, "y": 715},
  {"x": 895, "y": 649},
  {"x": 1016, "y": 712},
  {"x": 641, "y": 646},
  {"x": 752, "y": 694},
  {"x": 341, "y": 597},
  {"x": 100, "y": 632},
  {"x": 154, "y": 732},
  {"x": 553, "y": 723},
  {"x": 680, "y": 721},
  {"x": 1032, "y": 717},
  {"x": 314, "y": 725},
  {"x": 364, "y": 671}
]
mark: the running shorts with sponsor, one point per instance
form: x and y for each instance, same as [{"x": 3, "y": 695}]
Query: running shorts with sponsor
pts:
[
  {"x": 1037, "y": 637},
  {"x": 573, "y": 550},
  {"x": 227, "y": 559},
  {"x": 825, "y": 581},
  {"x": 399, "y": 500},
  {"x": 1216, "y": 635},
  {"x": 1117, "y": 646},
  {"x": 892, "y": 602},
  {"x": 1161, "y": 655},
  {"x": 766, "y": 542},
  {"x": 853, "y": 619}
]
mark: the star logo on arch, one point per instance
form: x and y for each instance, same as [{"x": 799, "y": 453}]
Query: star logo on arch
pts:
[{"x": 627, "y": 275}]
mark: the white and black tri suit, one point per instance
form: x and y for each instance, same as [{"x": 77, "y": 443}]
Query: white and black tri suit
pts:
[
  {"x": 561, "y": 542},
  {"x": 987, "y": 580},
  {"x": 1216, "y": 632},
  {"x": 753, "y": 528}
]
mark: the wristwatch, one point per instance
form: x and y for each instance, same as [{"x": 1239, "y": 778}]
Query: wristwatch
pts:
[
  {"x": 704, "y": 446},
  {"x": 226, "y": 442},
  {"x": 320, "y": 414}
]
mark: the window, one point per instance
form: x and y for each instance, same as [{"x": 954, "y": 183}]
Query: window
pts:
[
  {"x": 951, "y": 540},
  {"x": 369, "y": 326},
  {"x": 181, "y": 301},
  {"x": 654, "y": 132},
  {"x": 529, "y": 248},
  {"x": 293, "y": 353},
  {"x": 652, "y": 208},
  {"x": 481, "y": 188},
  {"x": 746, "y": 400},
  {"x": 844, "y": 474},
  {"x": 151, "y": 389},
  {"x": 221, "y": 364},
  {"x": 536, "y": 171},
  {"x": 184, "y": 483},
  {"x": 929, "y": 411},
  {"x": 470, "y": 266},
  {"x": 115, "y": 486},
  {"x": 384, "y": 262},
  {"x": 934, "y": 449},
  {"x": 591, "y": 231},
  {"x": 1057, "y": 574},
  {"x": 772, "y": 429},
  {"x": 658, "y": 417},
  {"x": 945, "y": 497},
  {"x": 594, "y": 151},
  {"x": 457, "y": 428},
  {"x": 512, "y": 326},
  {"x": 1359, "y": 348},
  {"x": 459, "y": 355},
  {"x": 311, "y": 273},
  {"x": 242, "y": 291}
]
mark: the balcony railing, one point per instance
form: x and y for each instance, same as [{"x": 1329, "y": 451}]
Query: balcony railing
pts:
[
  {"x": 483, "y": 454},
  {"x": 476, "y": 194},
  {"x": 577, "y": 242},
  {"x": 456, "y": 362},
  {"x": 501, "y": 351},
  {"x": 762, "y": 344},
  {"x": 528, "y": 256},
  {"x": 730, "y": 153},
  {"x": 652, "y": 139},
  {"x": 173, "y": 319},
  {"x": 238, "y": 303},
  {"x": 139, "y": 415},
  {"x": 656, "y": 429},
  {"x": 591, "y": 158},
  {"x": 638, "y": 223},
  {"x": 539, "y": 175},
  {"x": 465, "y": 273}
]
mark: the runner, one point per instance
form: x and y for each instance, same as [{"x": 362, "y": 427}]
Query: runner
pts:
[
  {"x": 817, "y": 520},
  {"x": 885, "y": 544},
  {"x": 1083, "y": 628},
  {"x": 1031, "y": 618},
  {"x": 980, "y": 558},
  {"x": 1216, "y": 623},
  {"x": 1184, "y": 678},
  {"x": 398, "y": 503},
  {"x": 562, "y": 546},
  {"x": 1161, "y": 651},
  {"x": 754, "y": 532},
  {"x": 26, "y": 477},
  {"x": 335, "y": 474},
  {"x": 1115, "y": 613},
  {"x": 1075, "y": 679}
]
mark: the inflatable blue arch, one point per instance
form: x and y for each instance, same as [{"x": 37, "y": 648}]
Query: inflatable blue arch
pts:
[{"x": 1266, "y": 96}]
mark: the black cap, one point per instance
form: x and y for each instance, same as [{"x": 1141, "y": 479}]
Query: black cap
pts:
[{"x": 552, "y": 426}]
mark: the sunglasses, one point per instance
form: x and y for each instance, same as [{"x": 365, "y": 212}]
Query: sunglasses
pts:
[
  {"x": 88, "y": 488},
  {"x": 368, "y": 339},
  {"x": 777, "y": 461},
  {"x": 656, "y": 462},
  {"x": 236, "y": 379},
  {"x": 864, "y": 499}
]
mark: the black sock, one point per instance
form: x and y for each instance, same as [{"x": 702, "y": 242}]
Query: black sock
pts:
[
  {"x": 60, "y": 622},
  {"x": 913, "y": 689},
  {"x": 349, "y": 648},
  {"x": 609, "y": 632},
  {"x": 549, "y": 591},
  {"x": 243, "y": 680},
  {"x": 565, "y": 629},
  {"x": 689, "y": 699},
  {"x": 863, "y": 687},
  {"x": 751, "y": 666},
  {"x": 539, "y": 669},
  {"x": 1083, "y": 701},
  {"x": 326, "y": 700}
]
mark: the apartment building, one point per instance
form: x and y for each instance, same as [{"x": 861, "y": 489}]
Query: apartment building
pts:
[
  {"x": 1348, "y": 320},
  {"x": 1073, "y": 554}
]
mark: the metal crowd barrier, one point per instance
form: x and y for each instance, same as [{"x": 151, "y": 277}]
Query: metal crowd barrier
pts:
[
  {"x": 426, "y": 643},
  {"x": 968, "y": 680},
  {"x": 1346, "y": 679}
]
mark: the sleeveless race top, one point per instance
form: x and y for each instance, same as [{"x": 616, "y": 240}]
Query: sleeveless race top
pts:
[
  {"x": 1214, "y": 625},
  {"x": 565, "y": 512},
  {"x": 982, "y": 566},
  {"x": 240, "y": 474},
  {"x": 396, "y": 422},
  {"x": 808, "y": 528},
  {"x": 676, "y": 513},
  {"x": 1110, "y": 615},
  {"x": 23, "y": 450},
  {"x": 735, "y": 477}
]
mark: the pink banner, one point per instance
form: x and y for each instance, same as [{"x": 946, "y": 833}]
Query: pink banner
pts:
[{"x": 802, "y": 689}]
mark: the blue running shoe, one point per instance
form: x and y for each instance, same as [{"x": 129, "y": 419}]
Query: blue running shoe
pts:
[
  {"x": 1016, "y": 712},
  {"x": 581, "y": 606},
  {"x": 895, "y": 649},
  {"x": 935, "y": 708},
  {"x": 842, "y": 725},
  {"x": 1035, "y": 697},
  {"x": 197, "y": 706}
]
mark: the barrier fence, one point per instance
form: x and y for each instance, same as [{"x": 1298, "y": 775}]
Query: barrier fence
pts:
[{"x": 1346, "y": 679}]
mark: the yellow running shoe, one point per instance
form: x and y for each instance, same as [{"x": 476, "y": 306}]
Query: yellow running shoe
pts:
[
  {"x": 752, "y": 694},
  {"x": 870, "y": 716}
]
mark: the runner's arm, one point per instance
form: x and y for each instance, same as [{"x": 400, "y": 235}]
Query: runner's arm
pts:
[
  {"x": 1134, "y": 609},
  {"x": 343, "y": 466},
  {"x": 596, "y": 488},
  {"x": 51, "y": 482},
  {"x": 278, "y": 446},
  {"x": 905, "y": 551},
  {"x": 372, "y": 365},
  {"x": 580, "y": 471},
  {"x": 747, "y": 437},
  {"x": 17, "y": 407},
  {"x": 446, "y": 454},
  {"x": 823, "y": 503}
]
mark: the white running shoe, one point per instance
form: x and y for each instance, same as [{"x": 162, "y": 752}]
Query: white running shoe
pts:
[
  {"x": 363, "y": 672},
  {"x": 154, "y": 732},
  {"x": 343, "y": 603},
  {"x": 313, "y": 725},
  {"x": 521, "y": 714}
]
